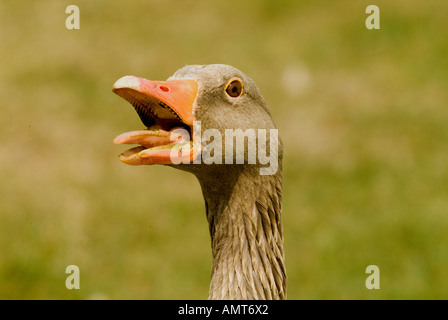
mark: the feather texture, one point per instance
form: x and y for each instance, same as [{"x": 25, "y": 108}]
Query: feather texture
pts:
[{"x": 247, "y": 239}]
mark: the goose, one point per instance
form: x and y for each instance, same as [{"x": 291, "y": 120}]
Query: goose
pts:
[{"x": 243, "y": 205}]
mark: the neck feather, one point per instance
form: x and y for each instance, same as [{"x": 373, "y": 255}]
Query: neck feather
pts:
[{"x": 244, "y": 215}]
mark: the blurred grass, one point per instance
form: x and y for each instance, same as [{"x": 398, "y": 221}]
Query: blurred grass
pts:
[{"x": 363, "y": 116}]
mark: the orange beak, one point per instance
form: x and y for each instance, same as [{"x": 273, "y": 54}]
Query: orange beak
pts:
[
  {"x": 179, "y": 95},
  {"x": 163, "y": 107}
]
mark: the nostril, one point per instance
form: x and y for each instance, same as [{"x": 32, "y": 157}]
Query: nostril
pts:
[{"x": 164, "y": 88}]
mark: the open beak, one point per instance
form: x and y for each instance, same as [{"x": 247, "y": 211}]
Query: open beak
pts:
[{"x": 166, "y": 109}]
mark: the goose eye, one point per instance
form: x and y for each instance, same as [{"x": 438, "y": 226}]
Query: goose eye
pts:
[{"x": 234, "y": 88}]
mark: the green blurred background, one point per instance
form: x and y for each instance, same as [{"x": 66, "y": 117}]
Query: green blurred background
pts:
[{"x": 363, "y": 115}]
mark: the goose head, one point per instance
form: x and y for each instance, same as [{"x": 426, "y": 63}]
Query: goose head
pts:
[{"x": 190, "y": 113}]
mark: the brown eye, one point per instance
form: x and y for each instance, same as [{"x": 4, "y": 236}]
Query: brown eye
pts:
[{"x": 234, "y": 88}]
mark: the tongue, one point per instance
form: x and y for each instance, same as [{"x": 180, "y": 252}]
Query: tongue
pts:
[{"x": 151, "y": 138}]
